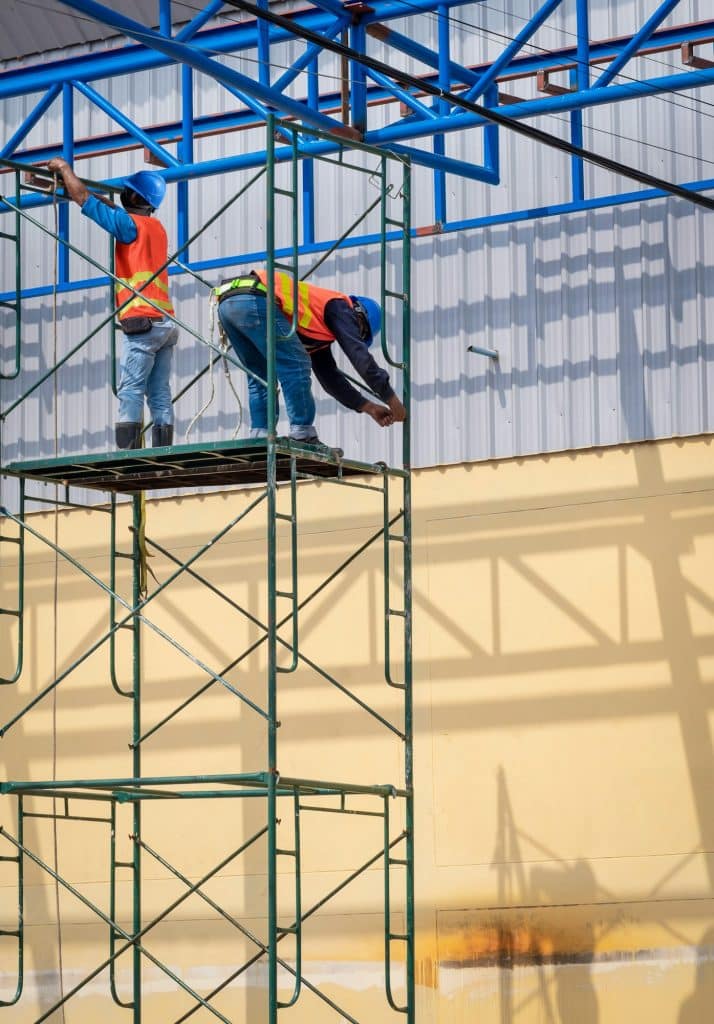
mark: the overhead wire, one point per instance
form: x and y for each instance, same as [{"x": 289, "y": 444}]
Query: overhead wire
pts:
[
  {"x": 474, "y": 30},
  {"x": 572, "y": 59},
  {"x": 478, "y": 30},
  {"x": 490, "y": 115},
  {"x": 533, "y": 48}
]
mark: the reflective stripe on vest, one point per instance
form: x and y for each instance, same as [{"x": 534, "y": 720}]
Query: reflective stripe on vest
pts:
[
  {"x": 311, "y": 304},
  {"x": 285, "y": 294},
  {"x": 248, "y": 283},
  {"x": 136, "y": 264}
]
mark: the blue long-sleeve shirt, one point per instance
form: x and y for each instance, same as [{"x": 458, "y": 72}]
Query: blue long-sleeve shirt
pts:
[
  {"x": 343, "y": 322},
  {"x": 113, "y": 219}
]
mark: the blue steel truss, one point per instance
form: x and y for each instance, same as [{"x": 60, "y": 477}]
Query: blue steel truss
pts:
[{"x": 590, "y": 68}]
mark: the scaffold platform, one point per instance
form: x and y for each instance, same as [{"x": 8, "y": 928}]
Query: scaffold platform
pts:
[{"x": 219, "y": 463}]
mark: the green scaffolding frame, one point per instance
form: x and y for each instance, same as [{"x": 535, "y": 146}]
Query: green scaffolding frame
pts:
[{"x": 276, "y": 465}]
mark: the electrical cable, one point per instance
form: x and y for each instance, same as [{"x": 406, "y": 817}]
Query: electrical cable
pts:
[
  {"x": 482, "y": 32},
  {"x": 89, "y": 20},
  {"x": 476, "y": 30},
  {"x": 573, "y": 59},
  {"x": 495, "y": 117}
]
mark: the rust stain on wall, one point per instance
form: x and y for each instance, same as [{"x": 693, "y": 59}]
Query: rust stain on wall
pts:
[
  {"x": 426, "y": 972},
  {"x": 517, "y": 939}
]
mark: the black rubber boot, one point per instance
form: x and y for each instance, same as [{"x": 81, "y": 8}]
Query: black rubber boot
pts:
[
  {"x": 128, "y": 435},
  {"x": 162, "y": 435},
  {"x": 315, "y": 441}
]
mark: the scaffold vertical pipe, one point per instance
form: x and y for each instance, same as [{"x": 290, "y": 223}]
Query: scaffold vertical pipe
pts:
[
  {"x": 19, "y": 611},
  {"x": 271, "y": 379},
  {"x": 114, "y": 934},
  {"x": 395, "y": 295},
  {"x": 408, "y": 675},
  {"x": 19, "y": 933},
  {"x": 16, "y": 304},
  {"x": 112, "y": 325},
  {"x": 136, "y": 751}
]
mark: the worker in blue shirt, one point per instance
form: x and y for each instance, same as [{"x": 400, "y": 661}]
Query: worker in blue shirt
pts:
[{"x": 150, "y": 336}]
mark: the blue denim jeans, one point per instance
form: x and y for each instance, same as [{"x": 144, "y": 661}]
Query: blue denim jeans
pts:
[
  {"x": 244, "y": 319},
  {"x": 145, "y": 371}
]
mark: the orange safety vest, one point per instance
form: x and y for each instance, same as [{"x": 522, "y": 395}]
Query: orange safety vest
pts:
[
  {"x": 311, "y": 304},
  {"x": 135, "y": 264}
]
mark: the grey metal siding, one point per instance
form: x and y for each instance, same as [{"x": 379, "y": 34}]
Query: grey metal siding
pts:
[{"x": 603, "y": 320}]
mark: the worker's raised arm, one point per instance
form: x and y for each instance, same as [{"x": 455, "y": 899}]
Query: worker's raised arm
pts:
[{"x": 76, "y": 189}]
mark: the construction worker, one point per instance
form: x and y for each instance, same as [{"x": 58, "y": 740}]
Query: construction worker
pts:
[
  {"x": 149, "y": 336},
  {"x": 323, "y": 317}
]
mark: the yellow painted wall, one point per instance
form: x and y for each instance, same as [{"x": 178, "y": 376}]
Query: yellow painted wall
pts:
[{"x": 564, "y": 668}]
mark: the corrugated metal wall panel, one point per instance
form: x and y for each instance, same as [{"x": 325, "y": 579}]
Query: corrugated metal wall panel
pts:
[
  {"x": 601, "y": 319},
  {"x": 36, "y": 26}
]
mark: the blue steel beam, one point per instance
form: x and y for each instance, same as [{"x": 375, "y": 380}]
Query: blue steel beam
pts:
[
  {"x": 383, "y": 137},
  {"x": 186, "y": 151},
  {"x": 411, "y": 128},
  {"x": 492, "y": 115},
  {"x": 402, "y": 132},
  {"x": 441, "y": 105},
  {"x": 358, "y": 86},
  {"x": 126, "y": 123},
  {"x": 189, "y": 31},
  {"x": 263, "y": 47},
  {"x": 165, "y": 17},
  {"x": 355, "y": 241},
  {"x": 186, "y": 53},
  {"x": 502, "y": 62},
  {"x": 580, "y": 78},
  {"x": 391, "y": 88},
  {"x": 308, "y": 166},
  {"x": 335, "y": 6},
  {"x": 262, "y": 91},
  {"x": 448, "y": 164},
  {"x": 637, "y": 42},
  {"x": 31, "y": 120},
  {"x": 531, "y": 64},
  {"x": 247, "y": 161},
  {"x": 311, "y": 53},
  {"x": 126, "y": 60},
  {"x": 458, "y": 74},
  {"x": 554, "y": 104}
]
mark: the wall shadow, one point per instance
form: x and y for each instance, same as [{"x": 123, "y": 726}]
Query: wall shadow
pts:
[{"x": 698, "y": 1008}]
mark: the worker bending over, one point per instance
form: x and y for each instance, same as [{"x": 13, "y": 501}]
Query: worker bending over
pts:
[
  {"x": 323, "y": 317},
  {"x": 149, "y": 336}
]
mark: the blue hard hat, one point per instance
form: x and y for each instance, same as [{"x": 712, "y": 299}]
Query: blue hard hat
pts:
[
  {"x": 373, "y": 313},
  {"x": 149, "y": 185}
]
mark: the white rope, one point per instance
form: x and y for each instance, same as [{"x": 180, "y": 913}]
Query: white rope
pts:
[{"x": 214, "y": 322}]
